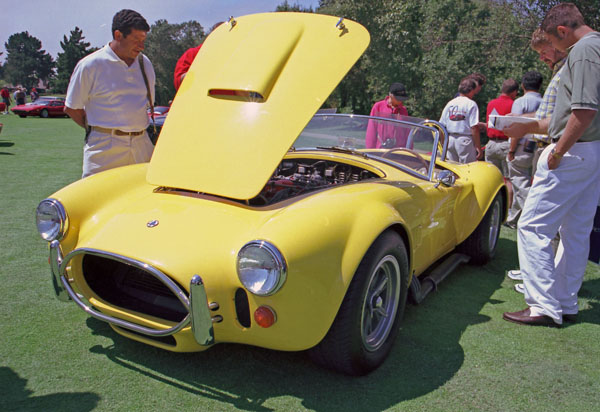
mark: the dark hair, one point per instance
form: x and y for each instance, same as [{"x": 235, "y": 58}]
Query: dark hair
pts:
[
  {"x": 478, "y": 77},
  {"x": 467, "y": 85},
  {"x": 564, "y": 14},
  {"x": 126, "y": 20},
  {"x": 214, "y": 26},
  {"x": 509, "y": 86},
  {"x": 532, "y": 80}
]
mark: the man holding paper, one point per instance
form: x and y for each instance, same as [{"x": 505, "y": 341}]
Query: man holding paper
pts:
[{"x": 566, "y": 187}]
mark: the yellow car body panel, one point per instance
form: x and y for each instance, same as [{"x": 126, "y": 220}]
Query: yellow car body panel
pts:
[
  {"x": 282, "y": 73},
  {"x": 202, "y": 234}
]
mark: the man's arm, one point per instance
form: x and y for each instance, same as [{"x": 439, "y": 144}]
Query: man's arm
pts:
[
  {"x": 514, "y": 142},
  {"x": 476, "y": 140},
  {"x": 78, "y": 116},
  {"x": 521, "y": 129},
  {"x": 578, "y": 122}
]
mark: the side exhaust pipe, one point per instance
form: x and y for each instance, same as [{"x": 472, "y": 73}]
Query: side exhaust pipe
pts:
[{"x": 421, "y": 287}]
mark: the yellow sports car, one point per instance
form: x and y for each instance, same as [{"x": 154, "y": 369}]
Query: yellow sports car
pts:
[{"x": 260, "y": 222}]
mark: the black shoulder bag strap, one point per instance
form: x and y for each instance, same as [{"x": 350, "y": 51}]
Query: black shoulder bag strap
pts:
[{"x": 141, "y": 61}]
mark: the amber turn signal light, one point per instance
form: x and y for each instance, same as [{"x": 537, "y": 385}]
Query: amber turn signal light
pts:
[{"x": 264, "y": 316}]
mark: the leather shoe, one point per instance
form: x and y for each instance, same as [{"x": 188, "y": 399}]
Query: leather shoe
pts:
[
  {"x": 570, "y": 318},
  {"x": 523, "y": 317}
]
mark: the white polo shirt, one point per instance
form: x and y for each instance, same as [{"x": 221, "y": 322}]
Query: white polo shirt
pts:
[
  {"x": 460, "y": 115},
  {"x": 112, "y": 94}
]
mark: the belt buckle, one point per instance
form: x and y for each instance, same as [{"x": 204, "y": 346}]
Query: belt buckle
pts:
[{"x": 122, "y": 133}]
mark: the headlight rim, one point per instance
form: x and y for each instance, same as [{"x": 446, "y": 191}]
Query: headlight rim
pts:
[
  {"x": 62, "y": 215},
  {"x": 278, "y": 258}
]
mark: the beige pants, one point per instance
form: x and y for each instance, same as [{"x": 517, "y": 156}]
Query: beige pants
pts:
[{"x": 104, "y": 151}]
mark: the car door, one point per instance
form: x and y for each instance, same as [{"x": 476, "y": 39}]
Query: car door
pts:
[
  {"x": 437, "y": 220},
  {"x": 55, "y": 108}
]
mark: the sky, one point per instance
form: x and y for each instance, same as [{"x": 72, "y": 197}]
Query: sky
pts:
[{"x": 50, "y": 20}]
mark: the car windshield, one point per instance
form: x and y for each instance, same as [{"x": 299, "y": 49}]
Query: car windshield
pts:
[{"x": 391, "y": 138}]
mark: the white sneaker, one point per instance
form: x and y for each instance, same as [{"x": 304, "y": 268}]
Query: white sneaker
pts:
[
  {"x": 515, "y": 274},
  {"x": 520, "y": 288}
]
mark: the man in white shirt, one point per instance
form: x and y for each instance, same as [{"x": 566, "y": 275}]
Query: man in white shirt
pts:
[
  {"x": 461, "y": 119},
  {"x": 108, "y": 96}
]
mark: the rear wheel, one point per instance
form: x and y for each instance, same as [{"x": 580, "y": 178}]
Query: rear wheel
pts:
[
  {"x": 44, "y": 113},
  {"x": 367, "y": 323},
  {"x": 481, "y": 245},
  {"x": 22, "y": 116}
]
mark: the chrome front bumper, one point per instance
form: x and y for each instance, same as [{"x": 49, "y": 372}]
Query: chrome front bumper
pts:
[{"x": 199, "y": 313}]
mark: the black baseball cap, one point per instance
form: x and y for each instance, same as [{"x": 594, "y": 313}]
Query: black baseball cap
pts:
[{"x": 399, "y": 91}]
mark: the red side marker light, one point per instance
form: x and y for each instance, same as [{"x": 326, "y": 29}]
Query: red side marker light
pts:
[{"x": 264, "y": 316}]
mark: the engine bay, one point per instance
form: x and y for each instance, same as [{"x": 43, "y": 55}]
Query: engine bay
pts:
[{"x": 295, "y": 177}]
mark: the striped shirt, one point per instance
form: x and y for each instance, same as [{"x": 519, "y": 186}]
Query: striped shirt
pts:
[{"x": 549, "y": 100}]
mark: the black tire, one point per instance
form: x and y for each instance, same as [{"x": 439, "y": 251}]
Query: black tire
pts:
[
  {"x": 481, "y": 244},
  {"x": 22, "y": 116},
  {"x": 360, "y": 338},
  {"x": 44, "y": 113}
]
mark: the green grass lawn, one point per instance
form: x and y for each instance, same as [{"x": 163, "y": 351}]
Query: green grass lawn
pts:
[{"x": 454, "y": 353}]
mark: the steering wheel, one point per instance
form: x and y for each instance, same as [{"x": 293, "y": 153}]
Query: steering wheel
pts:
[{"x": 412, "y": 152}]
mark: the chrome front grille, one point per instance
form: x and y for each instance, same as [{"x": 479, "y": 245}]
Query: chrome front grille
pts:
[
  {"x": 130, "y": 283},
  {"x": 131, "y": 287}
]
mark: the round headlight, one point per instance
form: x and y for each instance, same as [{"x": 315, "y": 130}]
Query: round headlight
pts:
[
  {"x": 261, "y": 268},
  {"x": 51, "y": 219}
]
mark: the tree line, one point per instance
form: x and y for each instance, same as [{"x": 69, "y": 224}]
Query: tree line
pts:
[{"x": 428, "y": 45}]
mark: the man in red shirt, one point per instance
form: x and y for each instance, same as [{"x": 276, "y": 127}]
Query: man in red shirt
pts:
[
  {"x": 185, "y": 61},
  {"x": 502, "y": 105},
  {"x": 5, "y": 94},
  {"x": 498, "y": 146},
  {"x": 385, "y": 134},
  {"x": 183, "y": 65}
]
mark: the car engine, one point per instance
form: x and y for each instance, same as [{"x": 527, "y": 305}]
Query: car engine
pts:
[{"x": 295, "y": 177}]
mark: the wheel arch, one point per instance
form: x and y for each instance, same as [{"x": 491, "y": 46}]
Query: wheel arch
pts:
[{"x": 357, "y": 246}]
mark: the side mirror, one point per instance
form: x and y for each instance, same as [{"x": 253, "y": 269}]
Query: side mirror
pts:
[{"x": 446, "y": 178}]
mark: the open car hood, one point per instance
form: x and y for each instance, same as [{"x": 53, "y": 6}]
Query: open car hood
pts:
[{"x": 254, "y": 85}]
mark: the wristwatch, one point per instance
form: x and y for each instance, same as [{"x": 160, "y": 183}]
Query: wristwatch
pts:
[{"x": 554, "y": 154}]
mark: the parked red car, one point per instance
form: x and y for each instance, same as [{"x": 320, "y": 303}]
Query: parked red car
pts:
[
  {"x": 159, "y": 110},
  {"x": 42, "y": 107}
]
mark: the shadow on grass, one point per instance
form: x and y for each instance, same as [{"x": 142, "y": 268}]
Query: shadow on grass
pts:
[
  {"x": 426, "y": 355},
  {"x": 14, "y": 396},
  {"x": 589, "y": 295},
  {"x": 4, "y": 143}
]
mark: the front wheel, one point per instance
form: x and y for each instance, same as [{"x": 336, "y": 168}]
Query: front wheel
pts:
[
  {"x": 22, "y": 116},
  {"x": 481, "y": 244},
  {"x": 44, "y": 113},
  {"x": 367, "y": 323}
]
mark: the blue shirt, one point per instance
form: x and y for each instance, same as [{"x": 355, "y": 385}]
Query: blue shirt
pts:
[{"x": 528, "y": 103}]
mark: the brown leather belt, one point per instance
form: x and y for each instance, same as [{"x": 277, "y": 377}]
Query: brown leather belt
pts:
[{"x": 116, "y": 132}]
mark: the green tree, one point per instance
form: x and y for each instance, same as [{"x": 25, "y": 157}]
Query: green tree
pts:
[
  {"x": 285, "y": 6},
  {"x": 164, "y": 45},
  {"x": 74, "y": 49},
  {"x": 391, "y": 54},
  {"x": 533, "y": 11},
  {"x": 26, "y": 62},
  {"x": 429, "y": 46}
]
